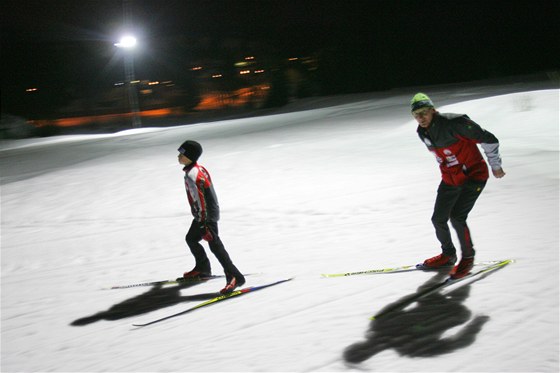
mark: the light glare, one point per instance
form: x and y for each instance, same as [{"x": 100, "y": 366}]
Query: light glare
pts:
[{"x": 126, "y": 42}]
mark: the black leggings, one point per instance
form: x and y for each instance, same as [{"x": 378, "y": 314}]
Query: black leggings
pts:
[
  {"x": 193, "y": 239},
  {"x": 455, "y": 203}
]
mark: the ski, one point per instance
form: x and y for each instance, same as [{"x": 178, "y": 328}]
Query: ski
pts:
[
  {"x": 214, "y": 301},
  {"x": 406, "y": 268},
  {"x": 178, "y": 281},
  {"x": 481, "y": 273}
]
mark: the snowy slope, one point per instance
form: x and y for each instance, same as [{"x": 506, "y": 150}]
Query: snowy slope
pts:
[{"x": 334, "y": 189}]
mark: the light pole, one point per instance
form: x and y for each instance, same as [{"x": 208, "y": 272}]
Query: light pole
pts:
[{"x": 128, "y": 43}]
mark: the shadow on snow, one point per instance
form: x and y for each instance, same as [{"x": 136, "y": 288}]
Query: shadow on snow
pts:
[
  {"x": 156, "y": 298},
  {"x": 418, "y": 331}
]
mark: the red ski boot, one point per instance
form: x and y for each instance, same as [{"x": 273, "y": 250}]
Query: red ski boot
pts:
[
  {"x": 195, "y": 274},
  {"x": 463, "y": 268},
  {"x": 438, "y": 261},
  {"x": 232, "y": 285}
]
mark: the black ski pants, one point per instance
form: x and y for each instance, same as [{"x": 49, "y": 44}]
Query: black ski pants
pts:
[
  {"x": 454, "y": 203},
  {"x": 193, "y": 239}
]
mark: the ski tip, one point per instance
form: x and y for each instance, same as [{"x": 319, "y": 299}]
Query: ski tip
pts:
[
  {"x": 285, "y": 280},
  {"x": 257, "y": 287},
  {"x": 498, "y": 262}
]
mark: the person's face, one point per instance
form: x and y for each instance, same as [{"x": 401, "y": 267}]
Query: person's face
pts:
[
  {"x": 424, "y": 116},
  {"x": 184, "y": 160}
]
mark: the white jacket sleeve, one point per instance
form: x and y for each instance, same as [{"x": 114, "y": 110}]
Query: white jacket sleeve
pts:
[{"x": 492, "y": 152}]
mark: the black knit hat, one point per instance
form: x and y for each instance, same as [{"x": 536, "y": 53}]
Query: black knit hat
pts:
[{"x": 191, "y": 149}]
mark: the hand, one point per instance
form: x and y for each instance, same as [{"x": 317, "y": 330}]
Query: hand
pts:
[
  {"x": 499, "y": 173},
  {"x": 205, "y": 232}
]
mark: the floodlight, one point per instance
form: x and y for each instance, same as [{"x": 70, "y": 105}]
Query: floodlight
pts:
[{"x": 127, "y": 42}]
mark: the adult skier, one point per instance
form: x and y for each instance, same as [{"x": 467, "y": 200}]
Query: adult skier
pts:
[
  {"x": 206, "y": 212},
  {"x": 453, "y": 139}
]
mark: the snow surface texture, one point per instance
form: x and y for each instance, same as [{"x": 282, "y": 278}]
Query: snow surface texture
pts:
[{"x": 335, "y": 189}]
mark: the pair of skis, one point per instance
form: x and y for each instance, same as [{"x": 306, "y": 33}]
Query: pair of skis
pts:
[
  {"x": 217, "y": 299},
  {"x": 482, "y": 270},
  {"x": 478, "y": 274},
  {"x": 407, "y": 268},
  {"x": 194, "y": 281}
]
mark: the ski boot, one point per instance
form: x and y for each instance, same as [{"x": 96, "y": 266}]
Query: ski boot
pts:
[{"x": 463, "y": 268}]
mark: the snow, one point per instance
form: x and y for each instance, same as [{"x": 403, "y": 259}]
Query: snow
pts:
[{"x": 333, "y": 189}]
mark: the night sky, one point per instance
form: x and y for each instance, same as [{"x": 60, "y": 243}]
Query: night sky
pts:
[{"x": 364, "y": 45}]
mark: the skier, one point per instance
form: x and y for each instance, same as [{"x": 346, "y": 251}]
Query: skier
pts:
[
  {"x": 206, "y": 212},
  {"x": 453, "y": 139}
]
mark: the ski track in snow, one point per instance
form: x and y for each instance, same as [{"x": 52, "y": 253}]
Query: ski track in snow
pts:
[{"x": 342, "y": 188}]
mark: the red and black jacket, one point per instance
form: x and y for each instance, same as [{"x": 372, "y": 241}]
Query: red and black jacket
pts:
[
  {"x": 453, "y": 139},
  {"x": 201, "y": 195}
]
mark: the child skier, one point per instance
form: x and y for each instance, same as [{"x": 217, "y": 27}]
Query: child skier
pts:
[
  {"x": 206, "y": 212},
  {"x": 453, "y": 139}
]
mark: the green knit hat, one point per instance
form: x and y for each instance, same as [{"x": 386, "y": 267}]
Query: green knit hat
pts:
[{"x": 419, "y": 101}]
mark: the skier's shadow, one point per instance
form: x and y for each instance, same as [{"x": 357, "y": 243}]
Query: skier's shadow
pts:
[
  {"x": 156, "y": 298},
  {"x": 418, "y": 330}
]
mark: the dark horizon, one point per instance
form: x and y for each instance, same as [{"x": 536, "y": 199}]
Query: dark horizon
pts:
[{"x": 361, "y": 45}]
